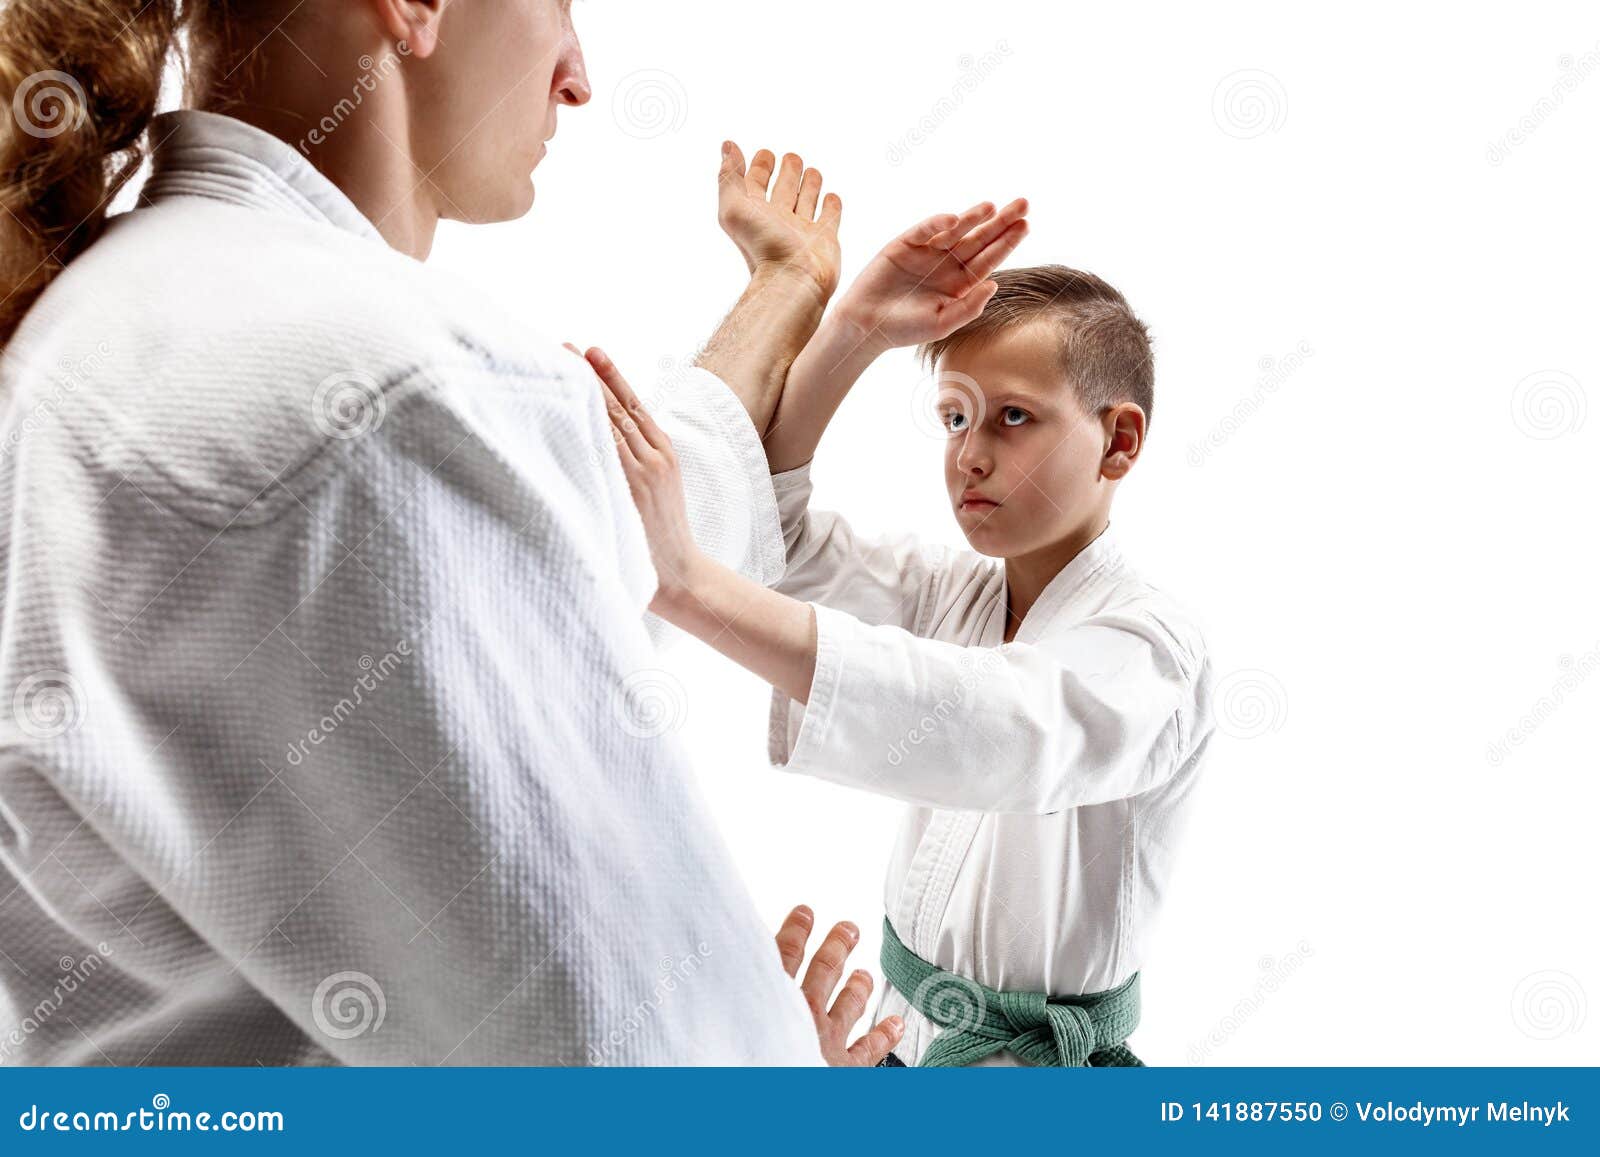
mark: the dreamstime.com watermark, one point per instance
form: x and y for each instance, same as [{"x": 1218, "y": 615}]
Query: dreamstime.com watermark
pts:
[
  {"x": 373, "y": 73},
  {"x": 977, "y": 668},
  {"x": 1274, "y": 971},
  {"x": 375, "y": 671},
  {"x": 649, "y": 103},
  {"x": 73, "y": 974},
  {"x": 1574, "y": 71},
  {"x": 65, "y": 382},
  {"x": 1274, "y": 372},
  {"x": 1574, "y": 673},
  {"x": 160, "y": 1117},
  {"x": 974, "y": 71},
  {"x": 673, "y": 973}
]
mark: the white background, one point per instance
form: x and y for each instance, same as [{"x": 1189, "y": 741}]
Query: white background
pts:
[{"x": 1388, "y": 537}]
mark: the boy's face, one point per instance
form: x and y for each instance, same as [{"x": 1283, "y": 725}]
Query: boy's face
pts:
[{"x": 1023, "y": 464}]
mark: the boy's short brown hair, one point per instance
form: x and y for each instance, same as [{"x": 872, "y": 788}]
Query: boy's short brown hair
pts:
[{"x": 1105, "y": 348}]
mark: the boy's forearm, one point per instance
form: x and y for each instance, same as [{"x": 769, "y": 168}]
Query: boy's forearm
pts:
[
  {"x": 819, "y": 379},
  {"x": 762, "y": 335},
  {"x": 769, "y": 634}
]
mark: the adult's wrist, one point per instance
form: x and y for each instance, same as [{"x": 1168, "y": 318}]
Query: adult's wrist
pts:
[{"x": 815, "y": 286}]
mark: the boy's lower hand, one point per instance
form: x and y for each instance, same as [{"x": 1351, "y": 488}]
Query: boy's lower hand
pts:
[
  {"x": 651, "y": 468},
  {"x": 821, "y": 978}
]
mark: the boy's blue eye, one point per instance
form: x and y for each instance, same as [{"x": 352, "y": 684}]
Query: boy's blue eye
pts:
[
  {"x": 1012, "y": 416},
  {"x": 954, "y": 420}
]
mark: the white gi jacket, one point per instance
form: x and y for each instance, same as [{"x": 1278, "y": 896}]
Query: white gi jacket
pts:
[
  {"x": 327, "y": 733},
  {"x": 1048, "y": 776}
]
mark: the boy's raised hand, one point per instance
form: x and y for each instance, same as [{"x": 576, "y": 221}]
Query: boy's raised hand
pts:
[
  {"x": 789, "y": 227},
  {"x": 933, "y": 279}
]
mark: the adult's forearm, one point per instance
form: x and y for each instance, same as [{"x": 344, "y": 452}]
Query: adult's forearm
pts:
[
  {"x": 821, "y": 376},
  {"x": 769, "y": 634},
  {"x": 762, "y": 335}
]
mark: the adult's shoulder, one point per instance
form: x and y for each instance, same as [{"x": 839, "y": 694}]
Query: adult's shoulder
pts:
[{"x": 206, "y": 351}]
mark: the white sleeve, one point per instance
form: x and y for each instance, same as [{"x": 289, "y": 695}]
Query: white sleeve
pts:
[
  {"x": 893, "y": 579},
  {"x": 425, "y": 753},
  {"x": 726, "y": 483},
  {"x": 1098, "y": 712}
]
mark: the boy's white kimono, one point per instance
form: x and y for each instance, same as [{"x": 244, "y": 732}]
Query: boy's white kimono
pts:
[
  {"x": 329, "y": 731},
  {"x": 1048, "y": 775}
]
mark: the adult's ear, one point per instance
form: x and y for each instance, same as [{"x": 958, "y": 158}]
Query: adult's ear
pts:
[
  {"x": 1124, "y": 426},
  {"x": 413, "y": 23}
]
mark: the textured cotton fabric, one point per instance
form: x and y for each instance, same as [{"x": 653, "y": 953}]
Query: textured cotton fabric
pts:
[
  {"x": 1049, "y": 777},
  {"x": 332, "y": 729}
]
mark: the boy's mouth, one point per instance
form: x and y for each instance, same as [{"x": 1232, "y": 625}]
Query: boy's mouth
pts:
[{"x": 973, "y": 501}]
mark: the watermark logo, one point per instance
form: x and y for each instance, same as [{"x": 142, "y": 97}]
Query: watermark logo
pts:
[
  {"x": 1249, "y": 103},
  {"x": 348, "y": 1004}
]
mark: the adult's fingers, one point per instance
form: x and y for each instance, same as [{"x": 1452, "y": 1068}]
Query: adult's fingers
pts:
[
  {"x": 828, "y": 964},
  {"x": 810, "y": 189},
  {"x": 852, "y": 1001},
  {"x": 759, "y": 176},
  {"x": 787, "y": 187},
  {"x": 792, "y": 937},
  {"x": 832, "y": 210},
  {"x": 732, "y": 170},
  {"x": 977, "y": 240},
  {"x": 878, "y": 1043}
]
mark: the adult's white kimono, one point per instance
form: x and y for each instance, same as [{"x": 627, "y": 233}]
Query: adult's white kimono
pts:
[
  {"x": 327, "y": 731},
  {"x": 1048, "y": 777}
]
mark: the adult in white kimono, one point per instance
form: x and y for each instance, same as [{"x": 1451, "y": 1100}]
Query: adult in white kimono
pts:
[
  {"x": 323, "y": 594},
  {"x": 1042, "y": 709}
]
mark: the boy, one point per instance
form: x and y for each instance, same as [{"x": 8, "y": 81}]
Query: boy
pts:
[{"x": 1042, "y": 709}]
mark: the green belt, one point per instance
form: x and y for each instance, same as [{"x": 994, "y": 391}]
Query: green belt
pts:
[{"x": 1043, "y": 1030}]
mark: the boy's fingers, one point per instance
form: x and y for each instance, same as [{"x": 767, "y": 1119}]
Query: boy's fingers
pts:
[
  {"x": 810, "y": 189},
  {"x": 787, "y": 187},
  {"x": 992, "y": 255},
  {"x": 963, "y": 225},
  {"x": 618, "y": 437},
  {"x": 852, "y": 1001},
  {"x": 969, "y": 305},
  {"x": 828, "y": 963},
  {"x": 792, "y": 937},
  {"x": 977, "y": 240},
  {"x": 760, "y": 174},
  {"x": 878, "y": 1043},
  {"x": 612, "y": 377},
  {"x": 924, "y": 231},
  {"x": 624, "y": 423}
]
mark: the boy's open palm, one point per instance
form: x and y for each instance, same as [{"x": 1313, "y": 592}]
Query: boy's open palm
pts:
[{"x": 933, "y": 279}]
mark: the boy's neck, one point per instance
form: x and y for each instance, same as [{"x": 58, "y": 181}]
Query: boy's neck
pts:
[{"x": 1028, "y": 574}]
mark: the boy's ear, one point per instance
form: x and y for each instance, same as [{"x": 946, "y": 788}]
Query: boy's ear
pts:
[{"x": 1124, "y": 426}]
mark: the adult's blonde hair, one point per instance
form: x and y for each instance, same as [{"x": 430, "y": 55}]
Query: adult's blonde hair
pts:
[{"x": 79, "y": 84}]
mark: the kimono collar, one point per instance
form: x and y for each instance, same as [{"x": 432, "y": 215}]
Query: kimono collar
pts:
[
  {"x": 1093, "y": 560},
  {"x": 206, "y": 154}
]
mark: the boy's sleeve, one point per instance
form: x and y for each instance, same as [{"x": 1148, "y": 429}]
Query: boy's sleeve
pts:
[
  {"x": 893, "y": 579},
  {"x": 1103, "y": 711}
]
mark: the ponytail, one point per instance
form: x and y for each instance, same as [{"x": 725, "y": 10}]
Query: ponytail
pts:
[{"x": 79, "y": 83}]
